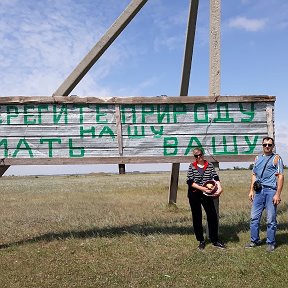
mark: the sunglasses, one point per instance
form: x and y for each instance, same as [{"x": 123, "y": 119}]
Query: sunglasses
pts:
[
  {"x": 198, "y": 155},
  {"x": 267, "y": 144}
]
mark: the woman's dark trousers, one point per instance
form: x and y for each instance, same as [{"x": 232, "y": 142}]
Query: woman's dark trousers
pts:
[{"x": 196, "y": 199}]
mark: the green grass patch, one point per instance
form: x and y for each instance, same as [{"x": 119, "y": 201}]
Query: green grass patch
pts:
[{"x": 107, "y": 230}]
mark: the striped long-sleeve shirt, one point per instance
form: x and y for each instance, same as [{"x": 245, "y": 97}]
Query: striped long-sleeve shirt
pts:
[{"x": 193, "y": 175}]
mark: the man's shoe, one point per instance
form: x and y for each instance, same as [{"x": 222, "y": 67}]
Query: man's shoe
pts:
[
  {"x": 201, "y": 245},
  {"x": 252, "y": 244},
  {"x": 270, "y": 248},
  {"x": 219, "y": 244}
]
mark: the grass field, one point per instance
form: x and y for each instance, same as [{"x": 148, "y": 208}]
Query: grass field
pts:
[{"x": 109, "y": 230}]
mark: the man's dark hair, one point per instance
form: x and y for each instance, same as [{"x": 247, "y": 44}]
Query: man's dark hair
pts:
[{"x": 268, "y": 138}]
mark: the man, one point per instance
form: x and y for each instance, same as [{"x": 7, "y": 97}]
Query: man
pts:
[{"x": 268, "y": 169}]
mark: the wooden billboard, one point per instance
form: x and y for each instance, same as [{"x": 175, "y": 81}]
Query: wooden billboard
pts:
[{"x": 91, "y": 130}]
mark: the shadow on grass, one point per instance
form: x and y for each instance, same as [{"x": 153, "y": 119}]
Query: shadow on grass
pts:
[
  {"x": 146, "y": 229},
  {"x": 228, "y": 233},
  {"x": 281, "y": 239},
  {"x": 108, "y": 232}
]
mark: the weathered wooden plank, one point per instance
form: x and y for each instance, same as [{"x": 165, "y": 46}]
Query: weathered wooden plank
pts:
[
  {"x": 35, "y": 133},
  {"x": 247, "y": 142},
  {"x": 233, "y": 117},
  {"x": 156, "y": 130},
  {"x": 173, "y": 108},
  {"x": 47, "y": 119},
  {"x": 54, "y": 107},
  {"x": 43, "y": 142},
  {"x": 132, "y": 131},
  {"x": 204, "y": 112},
  {"x": 133, "y": 100},
  {"x": 165, "y": 114},
  {"x": 36, "y": 152},
  {"x": 39, "y": 114},
  {"x": 161, "y": 118},
  {"x": 95, "y": 131},
  {"x": 120, "y": 160},
  {"x": 206, "y": 140}
]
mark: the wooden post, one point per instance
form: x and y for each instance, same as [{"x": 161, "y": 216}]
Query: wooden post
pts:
[
  {"x": 190, "y": 36},
  {"x": 215, "y": 26},
  {"x": 214, "y": 72},
  {"x": 270, "y": 122},
  {"x": 3, "y": 169},
  {"x": 121, "y": 168}
]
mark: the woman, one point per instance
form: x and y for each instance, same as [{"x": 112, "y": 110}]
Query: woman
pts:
[{"x": 198, "y": 173}]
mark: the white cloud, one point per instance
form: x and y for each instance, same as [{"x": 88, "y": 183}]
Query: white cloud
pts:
[
  {"x": 247, "y": 24},
  {"x": 169, "y": 42},
  {"x": 42, "y": 42}
]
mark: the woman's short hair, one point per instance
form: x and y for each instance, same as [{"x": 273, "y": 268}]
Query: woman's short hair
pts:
[{"x": 198, "y": 149}]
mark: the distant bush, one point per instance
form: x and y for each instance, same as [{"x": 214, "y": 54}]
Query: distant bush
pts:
[
  {"x": 251, "y": 166},
  {"x": 239, "y": 168}
]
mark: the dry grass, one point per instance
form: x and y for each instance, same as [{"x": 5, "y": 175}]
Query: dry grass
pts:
[{"x": 107, "y": 230}]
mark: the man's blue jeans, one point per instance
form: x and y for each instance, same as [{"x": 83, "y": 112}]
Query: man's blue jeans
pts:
[{"x": 263, "y": 200}]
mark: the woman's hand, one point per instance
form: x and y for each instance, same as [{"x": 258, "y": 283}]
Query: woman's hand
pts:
[
  {"x": 219, "y": 190},
  {"x": 205, "y": 189},
  {"x": 201, "y": 188}
]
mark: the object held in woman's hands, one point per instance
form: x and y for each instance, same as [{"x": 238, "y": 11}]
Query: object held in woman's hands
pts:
[{"x": 212, "y": 186}]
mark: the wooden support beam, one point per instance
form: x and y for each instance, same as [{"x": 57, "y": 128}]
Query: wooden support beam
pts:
[
  {"x": 121, "y": 168},
  {"x": 190, "y": 37},
  {"x": 270, "y": 122},
  {"x": 3, "y": 169},
  {"x": 215, "y": 26},
  {"x": 214, "y": 63}
]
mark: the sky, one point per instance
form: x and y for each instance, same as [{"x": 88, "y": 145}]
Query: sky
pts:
[{"x": 42, "y": 41}]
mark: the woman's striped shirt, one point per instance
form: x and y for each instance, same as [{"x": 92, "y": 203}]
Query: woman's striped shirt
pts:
[{"x": 193, "y": 175}]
